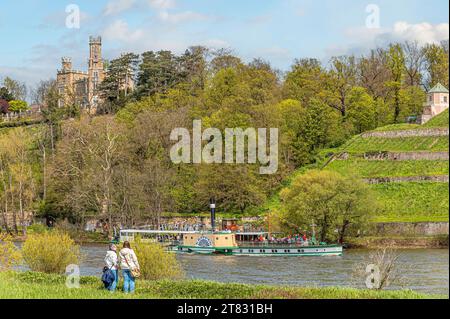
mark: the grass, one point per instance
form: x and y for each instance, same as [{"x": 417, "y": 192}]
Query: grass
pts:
[
  {"x": 412, "y": 202},
  {"x": 438, "y": 121},
  {"x": 404, "y": 144},
  {"x": 367, "y": 169},
  {"x": 31, "y": 285},
  {"x": 398, "y": 127}
]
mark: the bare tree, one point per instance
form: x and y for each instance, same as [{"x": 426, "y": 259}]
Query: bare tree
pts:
[
  {"x": 414, "y": 62},
  {"x": 380, "y": 269},
  {"x": 374, "y": 73}
]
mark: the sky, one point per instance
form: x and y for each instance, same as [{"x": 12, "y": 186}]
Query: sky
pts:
[{"x": 37, "y": 33}]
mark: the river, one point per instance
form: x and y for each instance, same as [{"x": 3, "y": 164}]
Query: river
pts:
[{"x": 424, "y": 270}]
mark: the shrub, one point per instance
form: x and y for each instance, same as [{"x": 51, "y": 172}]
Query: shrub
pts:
[
  {"x": 9, "y": 253},
  {"x": 50, "y": 252},
  {"x": 156, "y": 263},
  {"x": 18, "y": 106},
  {"x": 37, "y": 229}
]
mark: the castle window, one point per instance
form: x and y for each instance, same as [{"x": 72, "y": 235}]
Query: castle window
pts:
[{"x": 445, "y": 99}]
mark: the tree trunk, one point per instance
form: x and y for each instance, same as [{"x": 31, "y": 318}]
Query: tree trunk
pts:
[
  {"x": 343, "y": 230},
  {"x": 16, "y": 230},
  {"x": 44, "y": 172},
  {"x": 5, "y": 210},
  {"x": 21, "y": 210},
  {"x": 323, "y": 232}
]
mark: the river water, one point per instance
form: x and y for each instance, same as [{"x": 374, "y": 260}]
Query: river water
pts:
[{"x": 424, "y": 270}]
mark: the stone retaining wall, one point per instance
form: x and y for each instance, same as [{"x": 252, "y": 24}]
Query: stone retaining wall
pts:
[
  {"x": 405, "y": 156},
  {"x": 380, "y": 180},
  {"x": 408, "y": 133},
  {"x": 411, "y": 229}
]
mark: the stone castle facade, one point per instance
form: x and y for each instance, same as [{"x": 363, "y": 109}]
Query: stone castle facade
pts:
[{"x": 78, "y": 86}]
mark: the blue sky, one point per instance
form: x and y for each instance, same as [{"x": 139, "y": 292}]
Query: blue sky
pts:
[{"x": 35, "y": 36}]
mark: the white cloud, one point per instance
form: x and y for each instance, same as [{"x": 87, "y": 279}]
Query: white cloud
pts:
[
  {"x": 30, "y": 75},
  {"x": 162, "y": 4},
  {"x": 216, "y": 43},
  {"x": 363, "y": 39},
  {"x": 423, "y": 33},
  {"x": 117, "y": 6},
  {"x": 187, "y": 16},
  {"x": 58, "y": 20},
  {"x": 120, "y": 31}
]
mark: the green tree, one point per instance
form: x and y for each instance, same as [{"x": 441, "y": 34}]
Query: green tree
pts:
[
  {"x": 115, "y": 88},
  {"x": 18, "y": 106},
  {"x": 361, "y": 110},
  {"x": 436, "y": 62},
  {"x": 397, "y": 68},
  {"x": 159, "y": 72},
  {"x": 342, "y": 78},
  {"x": 235, "y": 187},
  {"x": 5, "y": 94},
  {"x": 18, "y": 90},
  {"x": 329, "y": 200},
  {"x": 304, "y": 81}
]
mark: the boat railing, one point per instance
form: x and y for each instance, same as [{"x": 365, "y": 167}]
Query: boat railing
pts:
[{"x": 272, "y": 243}]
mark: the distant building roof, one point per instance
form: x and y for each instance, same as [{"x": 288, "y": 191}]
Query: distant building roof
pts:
[{"x": 438, "y": 88}]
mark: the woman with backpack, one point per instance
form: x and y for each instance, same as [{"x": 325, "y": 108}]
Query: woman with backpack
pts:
[
  {"x": 111, "y": 261},
  {"x": 130, "y": 267}
]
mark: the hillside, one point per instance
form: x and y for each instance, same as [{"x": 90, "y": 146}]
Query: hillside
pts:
[{"x": 406, "y": 166}]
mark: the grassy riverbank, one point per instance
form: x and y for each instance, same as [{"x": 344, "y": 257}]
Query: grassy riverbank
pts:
[{"x": 14, "y": 285}]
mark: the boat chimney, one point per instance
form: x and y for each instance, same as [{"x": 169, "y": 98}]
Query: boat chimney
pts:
[{"x": 212, "y": 206}]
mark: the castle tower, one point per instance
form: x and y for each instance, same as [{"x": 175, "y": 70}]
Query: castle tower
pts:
[
  {"x": 437, "y": 102},
  {"x": 96, "y": 71},
  {"x": 66, "y": 64}
]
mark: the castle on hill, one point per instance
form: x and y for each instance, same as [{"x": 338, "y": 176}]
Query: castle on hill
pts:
[
  {"x": 79, "y": 86},
  {"x": 82, "y": 87},
  {"x": 437, "y": 102}
]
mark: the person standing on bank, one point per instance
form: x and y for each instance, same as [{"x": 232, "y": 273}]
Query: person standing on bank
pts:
[
  {"x": 111, "y": 262},
  {"x": 130, "y": 267}
]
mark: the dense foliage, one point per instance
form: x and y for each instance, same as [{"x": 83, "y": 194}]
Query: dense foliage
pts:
[
  {"x": 117, "y": 166},
  {"x": 330, "y": 201}
]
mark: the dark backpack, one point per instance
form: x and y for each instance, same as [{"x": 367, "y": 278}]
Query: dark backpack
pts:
[{"x": 108, "y": 277}]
